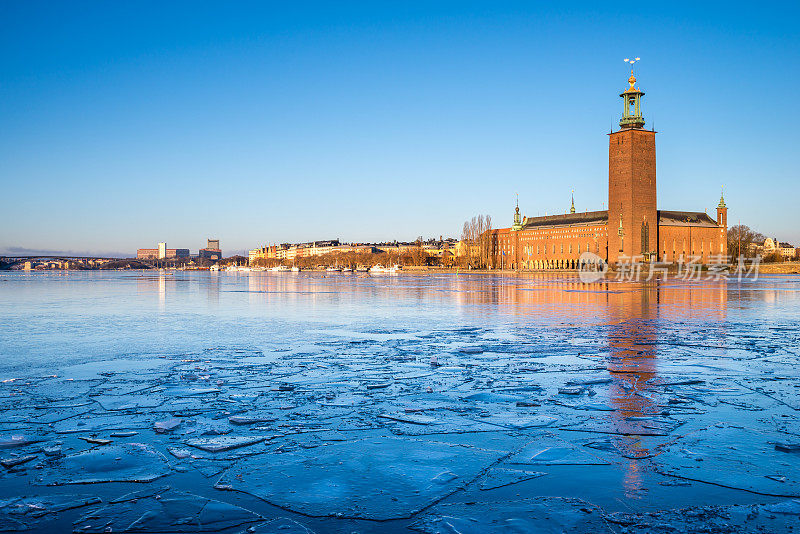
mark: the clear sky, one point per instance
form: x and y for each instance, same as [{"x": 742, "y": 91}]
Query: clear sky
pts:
[{"x": 127, "y": 123}]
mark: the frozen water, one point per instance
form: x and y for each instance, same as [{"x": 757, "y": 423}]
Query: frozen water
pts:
[
  {"x": 547, "y": 449},
  {"x": 467, "y": 402},
  {"x": 167, "y": 425},
  {"x": 377, "y": 478},
  {"x": 734, "y": 457},
  {"x": 779, "y": 517},
  {"x": 225, "y": 443},
  {"x": 282, "y": 525},
  {"x": 25, "y": 513},
  {"x": 498, "y": 477},
  {"x": 129, "y": 462},
  {"x": 542, "y": 514},
  {"x": 167, "y": 511}
]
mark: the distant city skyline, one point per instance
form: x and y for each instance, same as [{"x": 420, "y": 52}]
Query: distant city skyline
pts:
[{"x": 125, "y": 125}]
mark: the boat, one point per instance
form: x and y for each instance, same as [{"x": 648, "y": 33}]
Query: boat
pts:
[
  {"x": 396, "y": 268},
  {"x": 362, "y": 269},
  {"x": 378, "y": 269},
  {"x": 214, "y": 267},
  {"x": 347, "y": 270},
  {"x": 280, "y": 268},
  {"x": 295, "y": 269},
  {"x": 333, "y": 269}
]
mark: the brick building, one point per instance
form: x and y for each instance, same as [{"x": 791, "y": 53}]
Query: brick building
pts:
[{"x": 633, "y": 228}]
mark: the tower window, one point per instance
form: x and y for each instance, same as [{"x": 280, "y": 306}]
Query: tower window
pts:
[{"x": 645, "y": 236}]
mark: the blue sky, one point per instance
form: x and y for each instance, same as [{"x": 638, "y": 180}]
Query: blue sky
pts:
[{"x": 128, "y": 123}]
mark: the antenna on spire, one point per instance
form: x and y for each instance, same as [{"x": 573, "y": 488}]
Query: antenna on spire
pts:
[{"x": 632, "y": 61}]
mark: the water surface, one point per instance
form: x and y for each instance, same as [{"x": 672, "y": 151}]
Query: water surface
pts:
[{"x": 346, "y": 402}]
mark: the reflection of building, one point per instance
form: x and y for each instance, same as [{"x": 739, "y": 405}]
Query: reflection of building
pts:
[{"x": 631, "y": 227}]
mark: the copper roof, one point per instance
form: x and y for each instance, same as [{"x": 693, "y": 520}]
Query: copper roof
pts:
[
  {"x": 686, "y": 218},
  {"x": 585, "y": 218}
]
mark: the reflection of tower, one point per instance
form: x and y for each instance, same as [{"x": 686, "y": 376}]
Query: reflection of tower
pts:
[
  {"x": 633, "y": 362},
  {"x": 633, "y": 357},
  {"x": 632, "y": 181},
  {"x": 162, "y": 291}
]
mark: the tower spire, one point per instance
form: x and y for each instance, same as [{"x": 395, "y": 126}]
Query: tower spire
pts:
[
  {"x": 722, "y": 198},
  {"x": 517, "y": 219},
  {"x": 632, "y": 110},
  {"x": 572, "y": 208}
]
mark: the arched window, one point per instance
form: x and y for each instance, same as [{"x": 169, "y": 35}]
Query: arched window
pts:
[{"x": 645, "y": 237}]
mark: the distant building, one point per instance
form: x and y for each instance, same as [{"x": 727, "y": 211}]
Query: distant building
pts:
[
  {"x": 147, "y": 254},
  {"x": 212, "y": 250},
  {"x": 290, "y": 252},
  {"x": 786, "y": 250},
  {"x": 158, "y": 253},
  {"x": 162, "y": 251},
  {"x": 210, "y": 254}
]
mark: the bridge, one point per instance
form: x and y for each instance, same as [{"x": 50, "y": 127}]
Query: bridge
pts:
[
  {"x": 8, "y": 262},
  {"x": 56, "y": 257}
]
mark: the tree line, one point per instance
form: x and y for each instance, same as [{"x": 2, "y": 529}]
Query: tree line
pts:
[
  {"x": 746, "y": 242},
  {"x": 476, "y": 239}
]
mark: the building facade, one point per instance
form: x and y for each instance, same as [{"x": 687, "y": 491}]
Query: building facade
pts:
[
  {"x": 631, "y": 229},
  {"x": 158, "y": 253},
  {"x": 772, "y": 246},
  {"x": 287, "y": 252},
  {"x": 211, "y": 252}
]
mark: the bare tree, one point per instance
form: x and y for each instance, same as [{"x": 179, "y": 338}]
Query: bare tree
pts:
[
  {"x": 476, "y": 240},
  {"x": 418, "y": 253},
  {"x": 740, "y": 239}
]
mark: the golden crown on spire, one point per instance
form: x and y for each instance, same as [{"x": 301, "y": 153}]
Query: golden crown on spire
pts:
[{"x": 632, "y": 79}]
